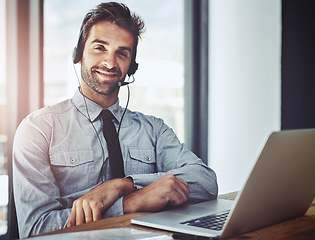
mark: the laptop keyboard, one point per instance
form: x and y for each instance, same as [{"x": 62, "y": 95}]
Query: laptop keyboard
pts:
[{"x": 212, "y": 222}]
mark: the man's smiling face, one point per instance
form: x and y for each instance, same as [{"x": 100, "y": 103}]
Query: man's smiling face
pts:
[{"x": 106, "y": 58}]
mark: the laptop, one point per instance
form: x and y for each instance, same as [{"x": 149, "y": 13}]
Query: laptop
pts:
[{"x": 279, "y": 187}]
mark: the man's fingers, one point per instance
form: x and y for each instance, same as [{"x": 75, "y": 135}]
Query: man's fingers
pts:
[
  {"x": 183, "y": 187},
  {"x": 83, "y": 212},
  {"x": 87, "y": 212},
  {"x": 71, "y": 220},
  {"x": 96, "y": 215},
  {"x": 79, "y": 213},
  {"x": 180, "y": 191},
  {"x": 178, "y": 198}
]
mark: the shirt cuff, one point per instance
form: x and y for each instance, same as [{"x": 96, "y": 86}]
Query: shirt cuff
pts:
[{"x": 142, "y": 180}]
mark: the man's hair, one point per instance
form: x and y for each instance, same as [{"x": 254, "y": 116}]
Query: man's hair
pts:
[{"x": 113, "y": 12}]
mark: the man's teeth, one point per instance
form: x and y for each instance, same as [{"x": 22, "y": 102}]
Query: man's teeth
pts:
[{"x": 106, "y": 74}]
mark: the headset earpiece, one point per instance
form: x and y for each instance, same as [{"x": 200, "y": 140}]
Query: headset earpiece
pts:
[
  {"x": 133, "y": 65},
  {"x": 75, "y": 57},
  {"x": 78, "y": 50},
  {"x": 132, "y": 68}
]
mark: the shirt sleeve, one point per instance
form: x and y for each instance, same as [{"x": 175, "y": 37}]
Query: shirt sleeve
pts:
[
  {"x": 115, "y": 210},
  {"x": 38, "y": 203},
  {"x": 174, "y": 158}
]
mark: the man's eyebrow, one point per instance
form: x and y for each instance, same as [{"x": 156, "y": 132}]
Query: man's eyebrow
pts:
[
  {"x": 106, "y": 43},
  {"x": 100, "y": 41},
  {"x": 126, "y": 49}
]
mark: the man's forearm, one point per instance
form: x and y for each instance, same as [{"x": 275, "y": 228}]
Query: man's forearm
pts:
[
  {"x": 202, "y": 181},
  {"x": 166, "y": 190}
]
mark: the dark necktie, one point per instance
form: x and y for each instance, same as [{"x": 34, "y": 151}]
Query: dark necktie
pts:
[{"x": 113, "y": 146}]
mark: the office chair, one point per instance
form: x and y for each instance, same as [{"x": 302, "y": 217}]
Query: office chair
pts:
[{"x": 13, "y": 232}]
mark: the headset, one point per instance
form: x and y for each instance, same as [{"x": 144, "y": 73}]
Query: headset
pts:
[{"x": 78, "y": 52}]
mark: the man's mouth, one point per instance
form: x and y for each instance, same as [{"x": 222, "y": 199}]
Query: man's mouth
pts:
[{"x": 108, "y": 73}]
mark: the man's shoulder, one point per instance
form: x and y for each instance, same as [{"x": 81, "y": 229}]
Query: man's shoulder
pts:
[
  {"x": 43, "y": 120},
  {"x": 146, "y": 121},
  {"x": 140, "y": 116},
  {"x": 55, "y": 109}
]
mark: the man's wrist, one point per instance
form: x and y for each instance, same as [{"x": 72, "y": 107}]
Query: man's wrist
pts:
[
  {"x": 127, "y": 186},
  {"x": 130, "y": 206}
]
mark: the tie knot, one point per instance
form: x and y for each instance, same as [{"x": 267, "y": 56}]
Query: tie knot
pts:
[{"x": 106, "y": 114}]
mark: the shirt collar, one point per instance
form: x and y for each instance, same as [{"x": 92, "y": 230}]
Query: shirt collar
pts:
[{"x": 92, "y": 110}]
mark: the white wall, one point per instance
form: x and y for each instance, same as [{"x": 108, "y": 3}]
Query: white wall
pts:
[{"x": 244, "y": 85}]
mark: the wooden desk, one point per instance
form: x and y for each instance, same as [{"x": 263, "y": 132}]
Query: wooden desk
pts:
[{"x": 295, "y": 229}]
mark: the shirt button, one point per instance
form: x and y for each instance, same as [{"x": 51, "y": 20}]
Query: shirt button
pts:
[
  {"x": 72, "y": 160},
  {"x": 148, "y": 158}
]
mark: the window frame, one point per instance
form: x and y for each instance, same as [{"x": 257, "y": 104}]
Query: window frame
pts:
[
  {"x": 24, "y": 43},
  {"x": 196, "y": 77}
]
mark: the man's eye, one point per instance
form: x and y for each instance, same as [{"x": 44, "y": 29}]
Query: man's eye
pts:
[
  {"x": 100, "y": 48},
  {"x": 122, "y": 54}
]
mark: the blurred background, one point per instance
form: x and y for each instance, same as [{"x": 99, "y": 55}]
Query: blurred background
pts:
[{"x": 223, "y": 74}]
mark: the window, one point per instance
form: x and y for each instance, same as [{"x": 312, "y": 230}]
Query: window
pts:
[
  {"x": 3, "y": 134},
  {"x": 159, "y": 86}
]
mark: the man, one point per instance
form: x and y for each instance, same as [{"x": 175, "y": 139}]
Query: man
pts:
[{"x": 65, "y": 166}]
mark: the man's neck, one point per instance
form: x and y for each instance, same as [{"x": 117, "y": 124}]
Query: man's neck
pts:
[{"x": 104, "y": 101}]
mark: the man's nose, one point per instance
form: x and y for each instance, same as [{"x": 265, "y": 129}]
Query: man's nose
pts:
[{"x": 109, "y": 60}]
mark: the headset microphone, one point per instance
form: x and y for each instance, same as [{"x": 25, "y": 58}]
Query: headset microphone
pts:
[{"x": 120, "y": 84}]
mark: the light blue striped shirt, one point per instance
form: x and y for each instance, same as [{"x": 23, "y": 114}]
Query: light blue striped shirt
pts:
[{"x": 58, "y": 154}]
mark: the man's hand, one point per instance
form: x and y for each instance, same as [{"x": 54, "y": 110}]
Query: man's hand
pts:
[
  {"x": 166, "y": 190},
  {"x": 90, "y": 206}
]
